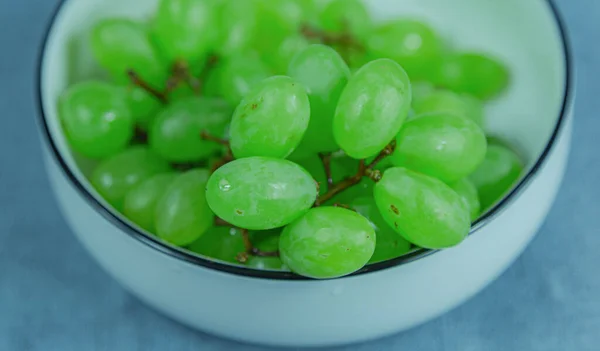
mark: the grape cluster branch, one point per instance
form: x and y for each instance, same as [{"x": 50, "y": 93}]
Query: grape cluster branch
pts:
[
  {"x": 180, "y": 72},
  {"x": 326, "y": 159},
  {"x": 226, "y": 158},
  {"x": 139, "y": 82},
  {"x": 364, "y": 170}
]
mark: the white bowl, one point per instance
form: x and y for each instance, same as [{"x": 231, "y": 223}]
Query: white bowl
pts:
[{"x": 280, "y": 308}]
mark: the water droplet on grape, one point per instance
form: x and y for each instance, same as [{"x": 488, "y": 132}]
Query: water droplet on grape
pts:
[{"x": 224, "y": 185}]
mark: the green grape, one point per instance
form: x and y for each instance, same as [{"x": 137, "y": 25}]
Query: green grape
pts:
[
  {"x": 477, "y": 74},
  {"x": 238, "y": 27},
  {"x": 389, "y": 244},
  {"x": 260, "y": 193},
  {"x": 122, "y": 44},
  {"x": 183, "y": 91},
  {"x": 182, "y": 214},
  {"x": 284, "y": 15},
  {"x": 362, "y": 189},
  {"x": 325, "y": 74},
  {"x": 372, "y": 108},
  {"x": 412, "y": 44},
  {"x": 424, "y": 210},
  {"x": 140, "y": 202},
  {"x": 421, "y": 90},
  {"x": 271, "y": 119},
  {"x": 341, "y": 167},
  {"x": 267, "y": 264},
  {"x": 238, "y": 75},
  {"x": 346, "y": 16},
  {"x": 185, "y": 29},
  {"x": 143, "y": 106},
  {"x": 467, "y": 191},
  {"x": 440, "y": 145},
  {"x": 300, "y": 153},
  {"x": 266, "y": 241},
  {"x": 221, "y": 243},
  {"x": 96, "y": 118},
  {"x": 449, "y": 102},
  {"x": 327, "y": 242},
  {"x": 278, "y": 38},
  {"x": 114, "y": 177},
  {"x": 496, "y": 175},
  {"x": 280, "y": 56},
  {"x": 176, "y": 132}
]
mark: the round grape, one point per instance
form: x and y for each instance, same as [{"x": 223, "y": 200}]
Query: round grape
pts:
[
  {"x": 467, "y": 191},
  {"x": 221, "y": 243},
  {"x": 496, "y": 175},
  {"x": 372, "y": 108},
  {"x": 441, "y": 145},
  {"x": 114, "y": 177},
  {"x": 424, "y": 210},
  {"x": 237, "y": 76},
  {"x": 96, "y": 118},
  {"x": 182, "y": 214},
  {"x": 327, "y": 242},
  {"x": 185, "y": 29},
  {"x": 389, "y": 244},
  {"x": 140, "y": 202},
  {"x": 143, "y": 106},
  {"x": 271, "y": 119},
  {"x": 411, "y": 43},
  {"x": 346, "y": 17},
  {"x": 120, "y": 44},
  {"x": 238, "y": 27},
  {"x": 260, "y": 193},
  {"x": 477, "y": 74},
  {"x": 176, "y": 132},
  {"x": 449, "y": 102},
  {"x": 325, "y": 74}
]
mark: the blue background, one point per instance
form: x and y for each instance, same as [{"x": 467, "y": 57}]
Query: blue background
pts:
[{"x": 53, "y": 297}]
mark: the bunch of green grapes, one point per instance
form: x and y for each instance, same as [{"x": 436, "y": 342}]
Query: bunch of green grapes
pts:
[{"x": 295, "y": 135}]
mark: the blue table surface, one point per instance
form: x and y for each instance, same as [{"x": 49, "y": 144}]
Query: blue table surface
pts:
[{"x": 54, "y": 297}]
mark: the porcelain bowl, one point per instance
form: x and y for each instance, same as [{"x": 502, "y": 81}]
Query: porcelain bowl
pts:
[{"x": 282, "y": 309}]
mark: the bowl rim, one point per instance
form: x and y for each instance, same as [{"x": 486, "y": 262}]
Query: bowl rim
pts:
[{"x": 186, "y": 256}]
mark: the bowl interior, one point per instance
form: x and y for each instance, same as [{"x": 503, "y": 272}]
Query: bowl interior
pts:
[{"x": 524, "y": 34}]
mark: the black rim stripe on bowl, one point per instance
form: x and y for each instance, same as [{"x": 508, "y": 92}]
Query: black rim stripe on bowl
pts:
[{"x": 186, "y": 256}]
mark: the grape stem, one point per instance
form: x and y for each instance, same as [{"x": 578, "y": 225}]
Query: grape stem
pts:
[
  {"x": 251, "y": 250},
  {"x": 345, "y": 38},
  {"x": 254, "y": 251},
  {"x": 138, "y": 81},
  {"x": 220, "y": 222},
  {"x": 326, "y": 159},
  {"x": 209, "y": 137},
  {"x": 364, "y": 170},
  {"x": 186, "y": 166}
]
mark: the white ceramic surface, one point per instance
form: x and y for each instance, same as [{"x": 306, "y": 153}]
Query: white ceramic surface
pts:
[{"x": 309, "y": 313}]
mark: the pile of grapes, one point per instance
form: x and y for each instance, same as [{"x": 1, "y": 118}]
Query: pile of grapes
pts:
[{"x": 289, "y": 135}]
